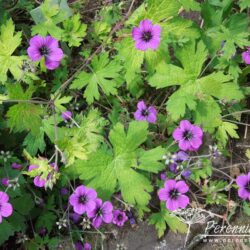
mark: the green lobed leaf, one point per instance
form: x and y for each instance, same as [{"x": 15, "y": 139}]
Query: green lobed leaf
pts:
[
  {"x": 103, "y": 73},
  {"x": 9, "y": 41}
]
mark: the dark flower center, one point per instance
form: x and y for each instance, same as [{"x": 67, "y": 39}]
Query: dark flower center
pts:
[
  {"x": 147, "y": 36},
  {"x": 82, "y": 199},
  {"x": 44, "y": 50},
  {"x": 247, "y": 187},
  {"x": 144, "y": 112},
  {"x": 120, "y": 217},
  {"x": 174, "y": 193},
  {"x": 99, "y": 212},
  {"x": 187, "y": 135}
]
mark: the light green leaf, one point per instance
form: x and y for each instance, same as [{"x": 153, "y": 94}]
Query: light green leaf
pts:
[
  {"x": 163, "y": 219},
  {"x": 74, "y": 31},
  {"x": 178, "y": 103},
  {"x": 9, "y": 41},
  {"x": 103, "y": 73},
  {"x": 168, "y": 75},
  {"x": 225, "y": 130},
  {"x": 190, "y": 5}
]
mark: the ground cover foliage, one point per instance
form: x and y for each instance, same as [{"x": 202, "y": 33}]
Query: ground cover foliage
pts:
[{"x": 114, "y": 111}]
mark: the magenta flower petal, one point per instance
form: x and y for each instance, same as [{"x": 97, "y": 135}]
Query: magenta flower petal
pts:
[
  {"x": 196, "y": 142},
  {"x": 31, "y": 167},
  {"x": 3, "y": 197},
  {"x": 183, "y": 201},
  {"x": 15, "y": 165},
  {"x": 36, "y": 41},
  {"x": 107, "y": 218},
  {"x": 138, "y": 116},
  {"x": 184, "y": 145},
  {"x": 107, "y": 207},
  {"x": 172, "y": 205},
  {"x": 246, "y": 56},
  {"x": 39, "y": 182},
  {"x": 6, "y": 209},
  {"x": 181, "y": 186},
  {"x": 97, "y": 222},
  {"x": 5, "y": 182},
  {"x": 152, "y": 116},
  {"x": 34, "y": 54},
  {"x": 243, "y": 193},
  {"x": 141, "y": 105},
  {"x": 197, "y": 131},
  {"x": 87, "y": 246},
  {"x": 56, "y": 55},
  {"x": 242, "y": 180},
  {"x": 157, "y": 31},
  {"x": 90, "y": 206},
  {"x": 79, "y": 209},
  {"x": 178, "y": 134},
  {"x": 51, "y": 42},
  {"x": 73, "y": 199},
  {"x": 170, "y": 184},
  {"x": 142, "y": 45},
  {"x": 66, "y": 115},
  {"x": 51, "y": 64},
  {"x": 163, "y": 194},
  {"x": 185, "y": 125},
  {"x": 155, "y": 43},
  {"x": 146, "y": 24},
  {"x": 136, "y": 33}
]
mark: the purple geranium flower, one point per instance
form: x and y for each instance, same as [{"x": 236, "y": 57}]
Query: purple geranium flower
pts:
[
  {"x": 80, "y": 246},
  {"x": 75, "y": 217},
  {"x": 246, "y": 56},
  {"x": 144, "y": 113},
  {"x": 180, "y": 157},
  {"x": 147, "y": 36},
  {"x": 6, "y": 208},
  {"x": 38, "y": 181},
  {"x": 5, "y": 182},
  {"x": 188, "y": 135},
  {"x": 66, "y": 115},
  {"x": 186, "y": 173},
  {"x": 64, "y": 191},
  {"x": 83, "y": 199},
  {"x": 102, "y": 212},
  {"x": 119, "y": 218},
  {"x": 243, "y": 181},
  {"x": 87, "y": 246},
  {"x": 173, "y": 194},
  {"x": 163, "y": 176},
  {"x": 177, "y": 158},
  {"x": 46, "y": 47},
  {"x": 15, "y": 165}
]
